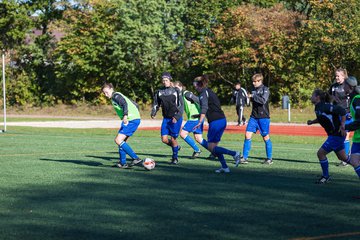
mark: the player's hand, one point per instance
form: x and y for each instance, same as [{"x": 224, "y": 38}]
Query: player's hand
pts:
[
  {"x": 174, "y": 120},
  {"x": 125, "y": 120},
  {"x": 309, "y": 122},
  {"x": 152, "y": 116}
]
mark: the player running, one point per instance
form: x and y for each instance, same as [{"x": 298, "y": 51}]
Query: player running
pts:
[
  {"x": 192, "y": 111},
  {"x": 332, "y": 118},
  {"x": 211, "y": 109},
  {"x": 128, "y": 112},
  {"x": 170, "y": 100}
]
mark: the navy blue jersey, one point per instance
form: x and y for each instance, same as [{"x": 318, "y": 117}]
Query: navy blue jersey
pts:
[
  {"x": 170, "y": 101},
  {"x": 339, "y": 95},
  {"x": 210, "y": 105},
  {"x": 329, "y": 117},
  {"x": 260, "y": 102}
]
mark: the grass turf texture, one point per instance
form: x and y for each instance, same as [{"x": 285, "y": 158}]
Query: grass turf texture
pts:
[{"x": 59, "y": 184}]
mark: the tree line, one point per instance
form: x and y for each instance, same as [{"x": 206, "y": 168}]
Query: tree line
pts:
[{"x": 79, "y": 45}]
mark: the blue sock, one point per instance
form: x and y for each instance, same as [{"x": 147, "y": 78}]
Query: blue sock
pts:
[
  {"x": 192, "y": 143},
  {"x": 122, "y": 156},
  {"x": 357, "y": 170},
  {"x": 220, "y": 150},
  {"x": 128, "y": 150},
  {"x": 204, "y": 143},
  {"x": 268, "y": 147},
  {"x": 175, "y": 152},
  {"x": 347, "y": 146},
  {"x": 325, "y": 167},
  {"x": 246, "y": 148},
  {"x": 222, "y": 160}
]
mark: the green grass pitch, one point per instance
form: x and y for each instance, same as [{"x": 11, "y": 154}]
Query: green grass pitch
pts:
[{"x": 59, "y": 184}]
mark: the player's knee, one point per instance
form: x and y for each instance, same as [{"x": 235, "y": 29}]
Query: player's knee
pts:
[{"x": 183, "y": 134}]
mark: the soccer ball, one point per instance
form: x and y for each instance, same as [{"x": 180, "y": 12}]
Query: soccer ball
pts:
[{"x": 149, "y": 164}]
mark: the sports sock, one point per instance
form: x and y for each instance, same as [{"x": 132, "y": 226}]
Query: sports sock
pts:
[
  {"x": 222, "y": 160},
  {"x": 348, "y": 159},
  {"x": 220, "y": 150},
  {"x": 204, "y": 143},
  {"x": 128, "y": 150},
  {"x": 347, "y": 146},
  {"x": 175, "y": 152},
  {"x": 325, "y": 167},
  {"x": 246, "y": 148},
  {"x": 122, "y": 156},
  {"x": 268, "y": 147},
  {"x": 192, "y": 143},
  {"x": 357, "y": 170}
]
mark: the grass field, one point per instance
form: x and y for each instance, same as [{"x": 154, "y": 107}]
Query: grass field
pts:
[{"x": 59, "y": 184}]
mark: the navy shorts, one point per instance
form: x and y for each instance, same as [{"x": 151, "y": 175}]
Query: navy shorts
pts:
[
  {"x": 129, "y": 128},
  {"x": 334, "y": 143},
  {"x": 261, "y": 124},
  {"x": 170, "y": 128},
  {"x": 190, "y": 124},
  {"x": 355, "y": 148},
  {"x": 216, "y": 130}
]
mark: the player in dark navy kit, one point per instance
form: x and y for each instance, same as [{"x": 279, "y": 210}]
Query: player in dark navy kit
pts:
[
  {"x": 259, "y": 120},
  {"x": 192, "y": 110},
  {"x": 332, "y": 118},
  {"x": 170, "y": 100},
  {"x": 128, "y": 112},
  {"x": 340, "y": 95},
  {"x": 211, "y": 109}
]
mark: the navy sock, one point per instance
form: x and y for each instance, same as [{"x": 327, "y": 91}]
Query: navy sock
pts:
[
  {"x": 220, "y": 150},
  {"x": 222, "y": 160},
  {"x": 192, "y": 143},
  {"x": 128, "y": 150},
  {"x": 268, "y": 147},
  {"x": 357, "y": 170},
  {"x": 175, "y": 152},
  {"x": 204, "y": 143},
  {"x": 246, "y": 148},
  {"x": 325, "y": 167}
]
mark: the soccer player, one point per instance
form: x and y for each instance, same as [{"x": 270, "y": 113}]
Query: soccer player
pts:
[
  {"x": 240, "y": 98},
  {"x": 355, "y": 126},
  {"x": 259, "y": 120},
  {"x": 332, "y": 119},
  {"x": 128, "y": 112},
  {"x": 192, "y": 111},
  {"x": 341, "y": 97},
  {"x": 211, "y": 109},
  {"x": 170, "y": 100}
]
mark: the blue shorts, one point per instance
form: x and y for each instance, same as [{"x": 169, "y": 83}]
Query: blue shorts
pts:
[
  {"x": 216, "y": 130},
  {"x": 355, "y": 148},
  {"x": 261, "y": 124},
  {"x": 334, "y": 143},
  {"x": 170, "y": 128},
  {"x": 190, "y": 124},
  {"x": 129, "y": 128}
]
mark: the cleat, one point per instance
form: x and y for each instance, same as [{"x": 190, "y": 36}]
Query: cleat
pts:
[
  {"x": 135, "y": 162},
  {"x": 241, "y": 161},
  {"x": 211, "y": 157},
  {"x": 323, "y": 180},
  {"x": 179, "y": 147},
  {"x": 342, "y": 164},
  {"x": 223, "y": 170},
  {"x": 237, "y": 157},
  {"x": 174, "y": 161},
  {"x": 123, "y": 166},
  {"x": 267, "y": 161},
  {"x": 195, "y": 154}
]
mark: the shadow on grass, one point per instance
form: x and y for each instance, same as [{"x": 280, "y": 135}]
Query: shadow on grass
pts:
[
  {"x": 80, "y": 162},
  {"x": 180, "y": 202}
]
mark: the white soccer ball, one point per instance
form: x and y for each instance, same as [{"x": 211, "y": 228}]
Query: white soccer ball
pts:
[{"x": 149, "y": 164}]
